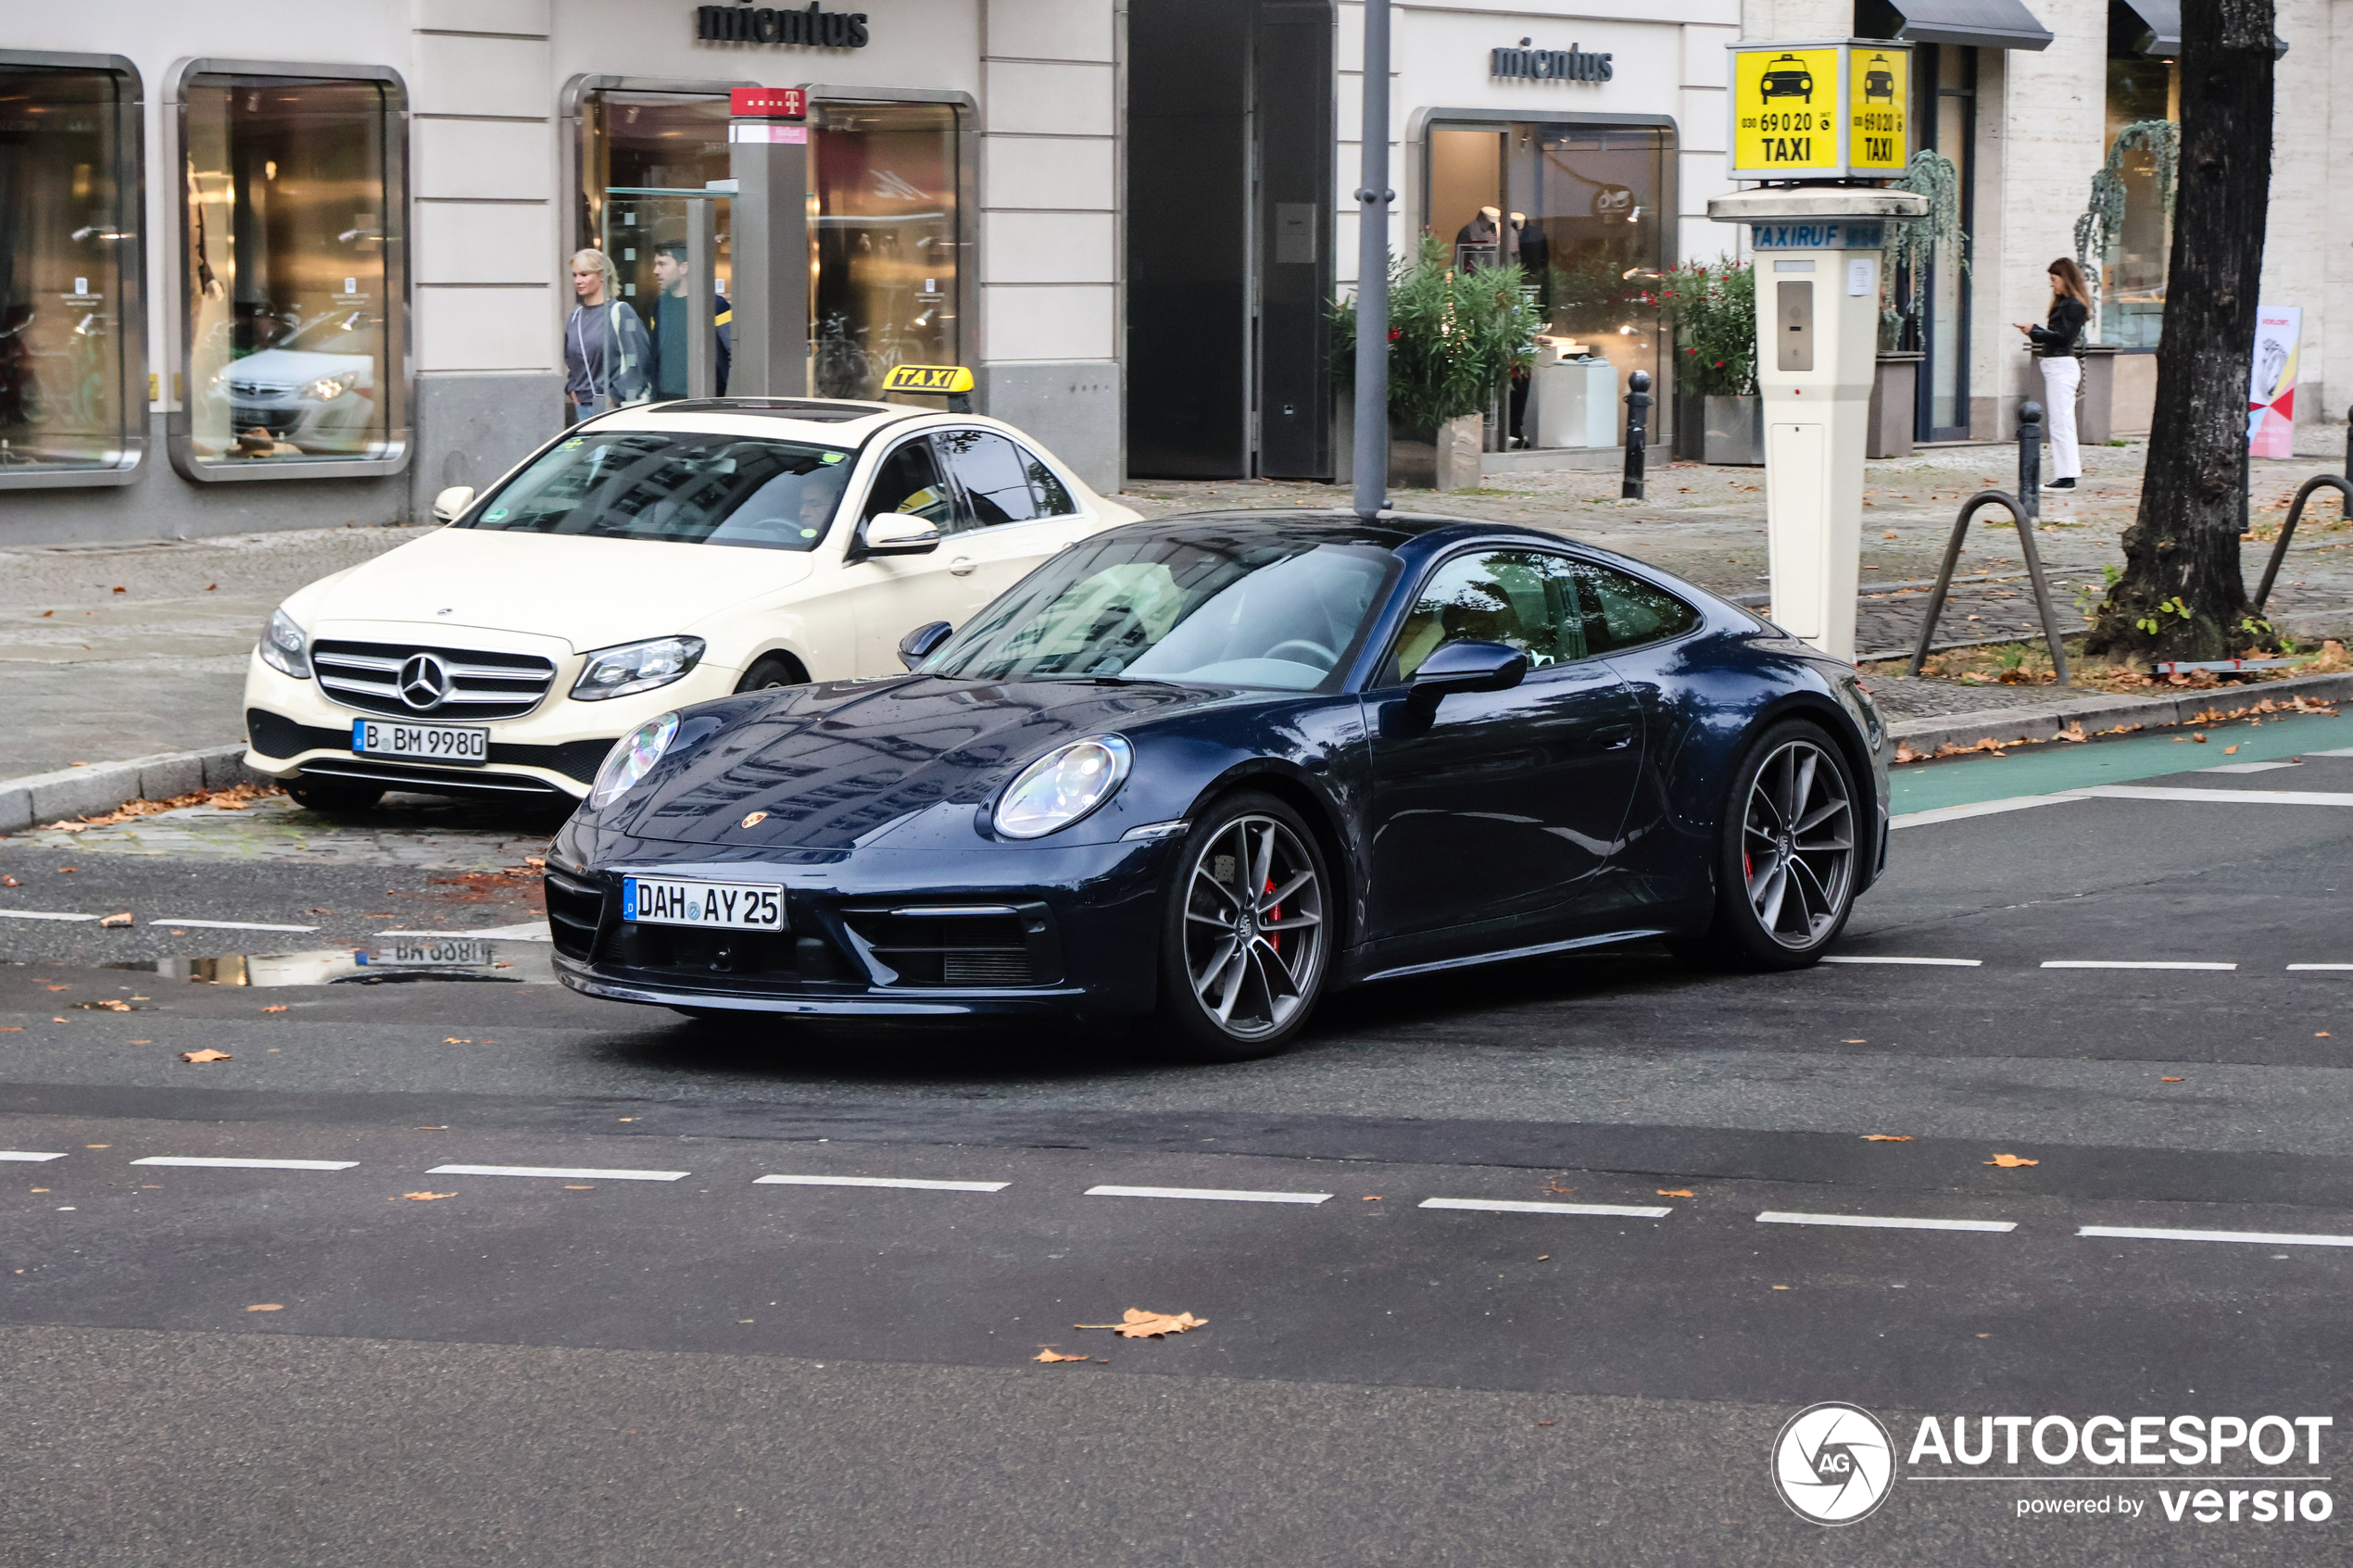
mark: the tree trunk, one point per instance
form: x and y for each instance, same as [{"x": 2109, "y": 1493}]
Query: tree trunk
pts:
[{"x": 2182, "y": 594}]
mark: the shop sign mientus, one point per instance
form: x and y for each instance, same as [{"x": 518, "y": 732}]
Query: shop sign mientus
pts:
[
  {"x": 1830, "y": 110},
  {"x": 811, "y": 26},
  {"x": 1572, "y": 64}
]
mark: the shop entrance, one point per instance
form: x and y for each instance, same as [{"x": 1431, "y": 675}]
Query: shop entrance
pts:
[{"x": 1229, "y": 238}]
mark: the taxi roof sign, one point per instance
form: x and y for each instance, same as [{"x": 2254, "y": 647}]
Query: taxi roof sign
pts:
[
  {"x": 1833, "y": 110},
  {"x": 937, "y": 379}
]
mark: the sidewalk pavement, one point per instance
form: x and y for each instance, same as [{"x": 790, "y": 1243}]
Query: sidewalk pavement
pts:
[{"x": 122, "y": 653}]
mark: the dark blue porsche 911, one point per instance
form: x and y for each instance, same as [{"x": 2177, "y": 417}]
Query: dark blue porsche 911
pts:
[{"x": 1209, "y": 767}]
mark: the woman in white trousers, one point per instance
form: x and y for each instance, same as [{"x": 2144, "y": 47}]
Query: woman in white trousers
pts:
[{"x": 2062, "y": 375}]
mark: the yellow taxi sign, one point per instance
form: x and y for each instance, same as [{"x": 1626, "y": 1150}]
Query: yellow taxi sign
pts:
[
  {"x": 1820, "y": 110},
  {"x": 940, "y": 380}
]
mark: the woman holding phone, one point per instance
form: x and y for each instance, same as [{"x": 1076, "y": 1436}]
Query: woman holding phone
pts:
[{"x": 2056, "y": 341}]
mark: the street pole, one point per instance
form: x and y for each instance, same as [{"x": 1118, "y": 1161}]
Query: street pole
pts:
[{"x": 1373, "y": 199}]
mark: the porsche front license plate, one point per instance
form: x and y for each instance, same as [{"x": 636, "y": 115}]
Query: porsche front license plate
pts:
[
  {"x": 734, "y": 906},
  {"x": 468, "y": 744}
]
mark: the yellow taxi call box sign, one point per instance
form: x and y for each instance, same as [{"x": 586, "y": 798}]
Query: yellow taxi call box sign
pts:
[
  {"x": 938, "y": 381},
  {"x": 1821, "y": 111}
]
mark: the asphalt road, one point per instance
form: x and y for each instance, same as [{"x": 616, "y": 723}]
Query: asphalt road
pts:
[{"x": 646, "y": 1353}]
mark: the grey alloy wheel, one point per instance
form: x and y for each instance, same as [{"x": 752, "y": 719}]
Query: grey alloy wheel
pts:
[
  {"x": 1253, "y": 927},
  {"x": 1797, "y": 845}
]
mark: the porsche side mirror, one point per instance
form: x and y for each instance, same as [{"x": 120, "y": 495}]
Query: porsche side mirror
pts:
[
  {"x": 897, "y": 534},
  {"x": 1466, "y": 667},
  {"x": 450, "y": 503},
  {"x": 917, "y": 645}
]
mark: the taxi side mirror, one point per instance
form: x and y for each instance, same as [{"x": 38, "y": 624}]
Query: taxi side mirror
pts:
[
  {"x": 919, "y": 643},
  {"x": 452, "y": 502},
  {"x": 1466, "y": 666},
  {"x": 897, "y": 534}
]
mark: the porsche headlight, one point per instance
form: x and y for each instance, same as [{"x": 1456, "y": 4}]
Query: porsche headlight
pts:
[
  {"x": 283, "y": 647},
  {"x": 637, "y": 667},
  {"x": 632, "y": 758},
  {"x": 1062, "y": 786}
]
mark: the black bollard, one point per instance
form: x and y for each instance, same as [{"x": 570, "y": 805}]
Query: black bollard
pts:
[
  {"x": 2030, "y": 458},
  {"x": 1638, "y": 419}
]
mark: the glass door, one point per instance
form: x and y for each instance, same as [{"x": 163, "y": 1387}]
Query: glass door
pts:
[{"x": 1949, "y": 75}]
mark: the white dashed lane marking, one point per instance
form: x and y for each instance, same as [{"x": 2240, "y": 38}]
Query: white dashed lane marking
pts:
[
  {"x": 1884, "y": 1222},
  {"x": 40, "y": 914},
  {"x": 214, "y": 1163},
  {"x": 563, "y": 1172},
  {"x": 224, "y": 925},
  {"x": 879, "y": 1182},
  {"x": 1216, "y": 1195},
  {"x": 1517, "y": 1205},
  {"x": 2260, "y": 1238},
  {"x": 26, "y": 1154},
  {"x": 2295, "y": 966},
  {"x": 1939, "y": 963},
  {"x": 2127, "y": 963}
]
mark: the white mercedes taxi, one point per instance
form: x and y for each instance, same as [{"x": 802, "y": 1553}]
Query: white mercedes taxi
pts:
[{"x": 648, "y": 557}]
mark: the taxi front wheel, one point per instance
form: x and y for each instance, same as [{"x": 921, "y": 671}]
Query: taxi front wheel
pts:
[
  {"x": 774, "y": 670},
  {"x": 319, "y": 794}
]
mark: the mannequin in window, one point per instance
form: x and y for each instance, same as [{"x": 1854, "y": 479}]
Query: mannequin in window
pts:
[{"x": 1480, "y": 240}]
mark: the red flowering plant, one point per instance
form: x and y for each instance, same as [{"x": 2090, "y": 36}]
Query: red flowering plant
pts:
[{"x": 1712, "y": 307}]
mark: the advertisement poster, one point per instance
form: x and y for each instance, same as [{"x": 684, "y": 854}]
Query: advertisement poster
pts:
[{"x": 2270, "y": 393}]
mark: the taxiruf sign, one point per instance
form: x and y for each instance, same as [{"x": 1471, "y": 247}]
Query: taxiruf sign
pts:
[{"x": 1821, "y": 112}]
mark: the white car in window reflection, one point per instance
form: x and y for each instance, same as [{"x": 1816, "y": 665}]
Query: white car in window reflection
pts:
[
  {"x": 654, "y": 557},
  {"x": 315, "y": 390}
]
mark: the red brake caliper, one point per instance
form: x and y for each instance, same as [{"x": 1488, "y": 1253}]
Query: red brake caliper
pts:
[{"x": 1274, "y": 938}]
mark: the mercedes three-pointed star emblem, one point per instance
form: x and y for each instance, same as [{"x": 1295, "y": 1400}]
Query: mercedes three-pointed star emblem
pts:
[{"x": 424, "y": 681}]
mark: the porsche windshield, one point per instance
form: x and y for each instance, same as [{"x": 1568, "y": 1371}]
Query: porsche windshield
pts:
[
  {"x": 675, "y": 488},
  {"x": 1214, "y": 607}
]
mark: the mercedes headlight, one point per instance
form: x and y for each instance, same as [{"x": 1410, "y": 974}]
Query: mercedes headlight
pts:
[
  {"x": 283, "y": 647},
  {"x": 326, "y": 389},
  {"x": 632, "y": 758},
  {"x": 637, "y": 667},
  {"x": 1062, "y": 786}
]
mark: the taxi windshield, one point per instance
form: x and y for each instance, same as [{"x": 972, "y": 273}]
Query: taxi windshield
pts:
[
  {"x": 674, "y": 488},
  {"x": 1267, "y": 611}
]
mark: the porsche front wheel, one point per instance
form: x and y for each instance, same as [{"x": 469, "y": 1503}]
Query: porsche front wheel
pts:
[
  {"x": 1786, "y": 852},
  {"x": 1246, "y": 943}
]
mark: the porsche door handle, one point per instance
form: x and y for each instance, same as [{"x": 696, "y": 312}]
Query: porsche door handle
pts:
[
  {"x": 962, "y": 566},
  {"x": 1614, "y": 738}
]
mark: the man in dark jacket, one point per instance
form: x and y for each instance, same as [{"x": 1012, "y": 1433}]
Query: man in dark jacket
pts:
[{"x": 671, "y": 273}]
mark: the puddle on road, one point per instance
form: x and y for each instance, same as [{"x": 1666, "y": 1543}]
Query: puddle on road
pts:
[{"x": 382, "y": 963}]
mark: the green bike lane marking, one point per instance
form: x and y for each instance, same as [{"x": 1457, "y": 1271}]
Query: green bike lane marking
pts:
[{"x": 2063, "y": 765}]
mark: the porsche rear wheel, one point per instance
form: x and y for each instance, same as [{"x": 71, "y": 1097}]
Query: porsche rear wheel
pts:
[
  {"x": 1787, "y": 852},
  {"x": 1246, "y": 940}
]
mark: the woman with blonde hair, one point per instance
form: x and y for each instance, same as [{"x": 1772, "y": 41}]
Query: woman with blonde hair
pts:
[
  {"x": 607, "y": 353},
  {"x": 2056, "y": 342}
]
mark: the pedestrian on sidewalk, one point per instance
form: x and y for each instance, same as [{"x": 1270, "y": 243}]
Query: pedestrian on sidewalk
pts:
[
  {"x": 2056, "y": 341},
  {"x": 607, "y": 353},
  {"x": 672, "y": 273}
]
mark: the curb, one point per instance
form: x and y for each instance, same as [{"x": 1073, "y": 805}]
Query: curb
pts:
[
  {"x": 2101, "y": 710},
  {"x": 100, "y": 788}
]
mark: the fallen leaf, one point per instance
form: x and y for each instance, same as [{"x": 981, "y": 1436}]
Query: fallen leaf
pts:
[
  {"x": 117, "y": 920},
  {"x": 210, "y": 586},
  {"x": 2169, "y": 1080},
  {"x": 57, "y": 987},
  {"x": 2322, "y": 1034},
  {"x": 139, "y": 1042},
  {"x": 1136, "y": 1323},
  {"x": 2228, "y": 749},
  {"x": 9, "y": 882},
  {"x": 1781, "y": 1288},
  {"x": 1547, "y": 1422},
  {"x": 11, "y": 1029},
  {"x": 424, "y": 1197},
  {"x": 119, "y": 589},
  {"x": 453, "y": 1040},
  {"x": 1887, "y": 535},
  {"x": 1544, "y": 1258},
  {"x": 1048, "y": 1354},
  {"x": 2200, "y": 739},
  {"x": 1674, "y": 1192},
  {"x": 267, "y": 1306},
  {"x": 1887, "y": 1138},
  {"x": 2011, "y": 1161},
  {"x": 206, "y": 1056},
  {"x": 280, "y": 1007},
  {"x": 107, "y": 1005},
  {"x": 1371, "y": 1199},
  {"x": 578, "y": 1186},
  {"x": 56, "y": 1021},
  {"x": 98, "y": 1146},
  {"x": 1854, "y": 1042}
]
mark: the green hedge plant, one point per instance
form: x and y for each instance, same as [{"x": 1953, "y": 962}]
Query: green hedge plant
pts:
[{"x": 1454, "y": 338}]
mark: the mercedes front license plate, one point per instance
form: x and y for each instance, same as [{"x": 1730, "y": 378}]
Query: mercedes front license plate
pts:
[
  {"x": 732, "y": 906},
  {"x": 468, "y": 744}
]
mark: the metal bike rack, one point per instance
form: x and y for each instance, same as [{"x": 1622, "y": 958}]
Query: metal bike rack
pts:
[
  {"x": 2296, "y": 510},
  {"x": 2025, "y": 507}
]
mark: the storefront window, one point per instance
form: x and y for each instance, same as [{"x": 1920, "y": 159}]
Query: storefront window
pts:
[
  {"x": 292, "y": 271},
  {"x": 884, "y": 252},
  {"x": 2133, "y": 268},
  {"x": 1583, "y": 209},
  {"x": 68, "y": 252},
  {"x": 1951, "y": 74}
]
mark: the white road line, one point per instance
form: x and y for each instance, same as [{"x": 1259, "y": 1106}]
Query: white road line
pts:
[
  {"x": 2219, "y": 796},
  {"x": 1980, "y": 809},
  {"x": 879, "y": 1182},
  {"x": 1873, "y": 957},
  {"x": 2340, "y": 751},
  {"x": 1884, "y": 1222},
  {"x": 224, "y": 925},
  {"x": 1514, "y": 1206},
  {"x": 1220, "y": 1194},
  {"x": 214, "y": 1163},
  {"x": 23, "y": 1154},
  {"x": 2261, "y": 1239},
  {"x": 2127, "y": 963},
  {"x": 40, "y": 914},
  {"x": 2320, "y": 966},
  {"x": 562, "y": 1171},
  {"x": 2249, "y": 767},
  {"x": 527, "y": 931}
]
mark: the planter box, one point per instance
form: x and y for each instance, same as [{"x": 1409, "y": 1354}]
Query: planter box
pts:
[
  {"x": 1721, "y": 429},
  {"x": 1446, "y": 459},
  {"x": 1894, "y": 414}
]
